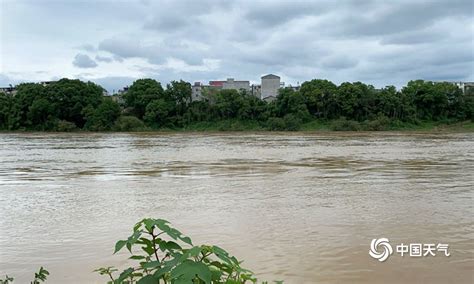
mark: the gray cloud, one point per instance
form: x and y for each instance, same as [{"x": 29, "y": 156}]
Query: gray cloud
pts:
[
  {"x": 83, "y": 61},
  {"x": 379, "y": 42},
  {"x": 103, "y": 59},
  {"x": 339, "y": 62},
  {"x": 88, "y": 47},
  {"x": 112, "y": 83}
]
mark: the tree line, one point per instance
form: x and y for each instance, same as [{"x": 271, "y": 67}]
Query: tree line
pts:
[{"x": 68, "y": 105}]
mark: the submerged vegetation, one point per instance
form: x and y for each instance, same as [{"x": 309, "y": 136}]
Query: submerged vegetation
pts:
[{"x": 71, "y": 105}]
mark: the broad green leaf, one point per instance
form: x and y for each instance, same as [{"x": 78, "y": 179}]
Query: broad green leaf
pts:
[
  {"x": 187, "y": 240},
  {"x": 125, "y": 274},
  {"x": 137, "y": 257},
  {"x": 187, "y": 271},
  {"x": 119, "y": 245},
  {"x": 148, "y": 279},
  {"x": 151, "y": 264}
]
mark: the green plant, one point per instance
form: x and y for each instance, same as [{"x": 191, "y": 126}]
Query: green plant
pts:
[
  {"x": 129, "y": 123},
  {"x": 343, "y": 124},
  {"x": 65, "y": 126},
  {"x": 165, "y": 255},
  {"x": 6, "y": 280},
  {"x": 40, "y": 276}
]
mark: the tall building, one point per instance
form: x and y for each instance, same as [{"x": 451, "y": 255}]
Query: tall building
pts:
[
  {"x": 196, "y": 92},
  {"x": 270, "y": 86}
]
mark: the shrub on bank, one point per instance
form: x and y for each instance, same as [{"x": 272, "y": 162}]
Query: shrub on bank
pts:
[
  {"x": 343, "y": 124},
  {"x": 379, "y": 124},
  {"x": 289, "y": 122},
  {"x": 129, "y": 123},
  {"x": 65, "y": 126}
]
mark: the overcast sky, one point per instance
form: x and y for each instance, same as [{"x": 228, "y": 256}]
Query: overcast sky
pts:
[{"x": 115, "y": 42}]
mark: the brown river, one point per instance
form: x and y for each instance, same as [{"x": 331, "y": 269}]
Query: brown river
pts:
[{"x": 297, "y": 207}]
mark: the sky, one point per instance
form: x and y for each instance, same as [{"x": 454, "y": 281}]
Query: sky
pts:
[{"x": 114, "y": 42}]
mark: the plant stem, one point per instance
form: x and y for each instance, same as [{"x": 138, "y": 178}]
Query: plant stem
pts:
[{"x": 154, "y": 245}]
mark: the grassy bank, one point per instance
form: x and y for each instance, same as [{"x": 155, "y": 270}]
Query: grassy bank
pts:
[
  {"x": 311, "y": 126},
  {"x": 327, "y": 126},
  {"x": 316, "y": 125}
]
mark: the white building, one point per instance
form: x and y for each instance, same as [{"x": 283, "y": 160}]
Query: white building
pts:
[
  {"x": 464, "y": 86},
  {"x": 231, "y": 84},
  {"x": 196, "y": 92},
  {"x": 267, "y": 91},
  {"x": 270, "y": 86}
]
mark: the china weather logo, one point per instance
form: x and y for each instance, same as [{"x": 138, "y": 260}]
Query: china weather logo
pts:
[{"x": 380, "y": 249}]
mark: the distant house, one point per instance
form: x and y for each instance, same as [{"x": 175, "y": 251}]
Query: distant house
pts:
[
  {"x": 256, "y": 90},
  {"x": 196, "y": 92},
  {"x": 269, "y": 99},
  {"x": 464, "y": 86},
  {"x": 232, "y": 84},
  {"x": 267, "y": 90},
  {"x": 47, "y": 83},
  {"x": 270, "y": 86},
  {"x": 229, "y": 84},
  {"x": 8, "y": 90}
]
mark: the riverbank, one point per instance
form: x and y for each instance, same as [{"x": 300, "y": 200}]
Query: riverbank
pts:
[
  {"x": 340, "y": 125},
  {"x": 324, "y": 126}
]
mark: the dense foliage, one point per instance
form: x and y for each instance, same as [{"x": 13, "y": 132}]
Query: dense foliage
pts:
[{"x": 68, "y": 105}]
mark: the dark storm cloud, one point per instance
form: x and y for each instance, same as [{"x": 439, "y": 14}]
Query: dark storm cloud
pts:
[{"x": 83, "y": 61}]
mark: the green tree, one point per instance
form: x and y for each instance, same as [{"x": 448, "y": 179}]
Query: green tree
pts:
[
  {"x": 319, "y": 97},
  {"x": 5, "y": 107},
  {"x": 103, "y": 117},
  {"x": 198, "y": 111},
  {"x": 433, "y": 101},
  {"x": 356, "y": 100},
  {"x": 228, "y": 103},
  {"x": 141, "y": 93},
  {"x": 69, "y": 99},
  {"x": 156, "y": 113},
  {"x": 289, "y": 101},
  {"x": 180, "y": 92},
  {"x": 40, "y": 114},
  {"x": 468, "y": 106},
  {"x": 21, "y": 103}
]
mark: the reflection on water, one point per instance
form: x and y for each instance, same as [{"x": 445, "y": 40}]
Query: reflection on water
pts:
[{"x": 298, "y": 207}]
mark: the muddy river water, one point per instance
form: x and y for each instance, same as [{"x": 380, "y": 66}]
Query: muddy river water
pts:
[{"x": 297, "y": 207}]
